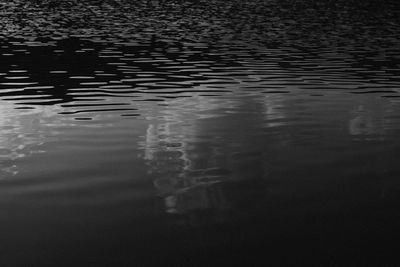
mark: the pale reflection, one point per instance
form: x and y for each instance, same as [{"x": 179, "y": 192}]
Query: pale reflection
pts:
[
  {"x": 367, "y": 122},
  {"x": 361, "y": 124},
  {"x": 190, "y": 194},
  {"x": 184, "y": 186},
  {"x": 22, "y": 132},
  {"x": 192, "y": 150},
  {"x": 273, "y": 110}
]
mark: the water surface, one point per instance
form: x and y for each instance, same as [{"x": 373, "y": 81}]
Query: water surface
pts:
[{"x": 199, "y": 133}]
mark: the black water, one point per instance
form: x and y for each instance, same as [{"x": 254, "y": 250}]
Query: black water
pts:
[{"x": 199, "y": 133}]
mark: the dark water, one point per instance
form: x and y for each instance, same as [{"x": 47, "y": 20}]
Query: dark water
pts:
[{"x": 199, "y": 133}]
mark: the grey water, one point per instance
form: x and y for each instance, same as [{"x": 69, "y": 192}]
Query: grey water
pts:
[{"x": 199, "y": 133}]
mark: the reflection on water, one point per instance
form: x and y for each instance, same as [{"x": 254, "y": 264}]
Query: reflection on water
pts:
[
  {"x": 364, "y": 124},
  {"x": 194, "y": 173},
  {"x": 369, "y": 121},
  {"x": 21, "y": 134},
  {"x": 185, "y": 184},
  {"x": 275, "y": 119}
]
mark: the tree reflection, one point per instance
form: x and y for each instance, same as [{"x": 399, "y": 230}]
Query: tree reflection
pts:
[
  {"x": 21, "y": 131},
  {"x": 210, "y": 164}
]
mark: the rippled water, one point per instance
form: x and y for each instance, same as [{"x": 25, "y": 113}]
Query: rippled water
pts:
[{"x": 199, "y": 133}]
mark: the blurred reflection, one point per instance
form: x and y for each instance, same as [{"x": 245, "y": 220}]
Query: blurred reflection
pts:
[
  {"x": 185, "y": 194},
  {"x": 184, "y": 187},
  {"x": 367, "y": 122},
  {"x": 273, "y": 105},
  {"x": 361, "y": 124},
  {"x": 22, "y": 132},
  {"x": 199, "y": 160}
]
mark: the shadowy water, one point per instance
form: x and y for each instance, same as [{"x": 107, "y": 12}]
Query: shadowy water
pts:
[{"x": 199, "y": 132}]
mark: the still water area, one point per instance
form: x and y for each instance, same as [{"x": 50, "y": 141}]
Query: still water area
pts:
[{"x": 199, "y": 133}]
